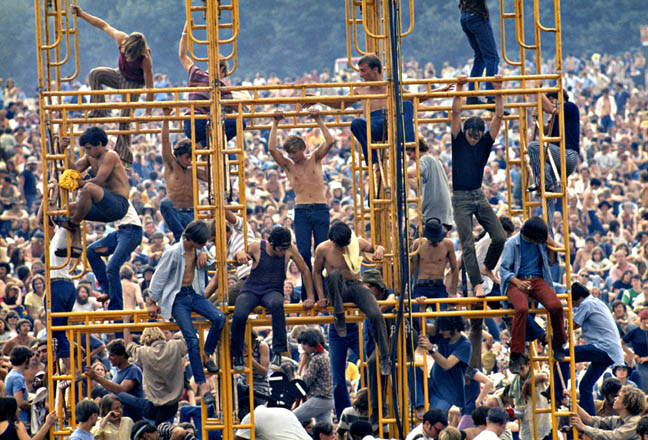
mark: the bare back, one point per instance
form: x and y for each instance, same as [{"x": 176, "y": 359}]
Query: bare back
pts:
[
  {"x": 130, "y": 294},
  {"x": 433, "y": 259},
  {"x": 179, "y": 184},
  {"x": 307, "y": 180},
  {"x": 117, "y": 181}
]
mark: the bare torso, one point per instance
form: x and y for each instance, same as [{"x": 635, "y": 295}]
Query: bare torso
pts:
[
  {"x": 117, "y": 181},
  {"x": 433, "y": 259},
  {"x": 334, "y": 260},
  {"x": 179, "y": 182},
  {"x": 130, "y": 294},
  {"x": 374, "y": 104},
  {"x": 307, "y": 180},
  {"x": 190, "y": 268}
]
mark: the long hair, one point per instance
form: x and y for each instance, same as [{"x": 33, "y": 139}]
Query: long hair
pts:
[
  {"x": 8, "y": 408},
  {"x": 133, "y": 46},
  {"x": 152, "y": 334}
]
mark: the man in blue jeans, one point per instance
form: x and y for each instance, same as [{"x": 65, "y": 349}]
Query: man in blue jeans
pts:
[
  {"x": 178, "y": 287},
  {"x": 304, "y": 171},
  {"x": 476, "y": 25},
  {"x": 120, "y": 244},
  {"x": 102, "y": 198},
  {"x": 602, "y": 348},
  {"x": 177, "y": 207},
  {"x": 370, "y": 69}
]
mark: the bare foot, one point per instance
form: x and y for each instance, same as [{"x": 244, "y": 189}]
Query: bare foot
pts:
[
  {"x": 479, "y": 291},
  {"x": 490, "y": 274}
]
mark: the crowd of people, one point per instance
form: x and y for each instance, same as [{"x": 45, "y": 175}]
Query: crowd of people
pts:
[{"x": 145, "y": 251}]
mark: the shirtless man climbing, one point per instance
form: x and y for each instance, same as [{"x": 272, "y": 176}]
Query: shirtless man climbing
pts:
[
  {"x": 341, "y": 255},
  {"x": 370, "y": 69},
  {"x": 102, "y": 198},
  {"x": 435, "y": 252},
  {"x": 304, "y": 171},
  {"x": 177, "y": 207}
]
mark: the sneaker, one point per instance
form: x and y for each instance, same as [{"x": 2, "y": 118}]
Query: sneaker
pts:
[
  {"x": 474, "y": 100},
  {"x": 208, "y": 399},
  {"x": 238, "y": 363},
  {"x": 211, "y": 366},
  {"x": 515, "y": 363},
  {"x": 276, "y": 360},
  {"x": 385, "y": 366}
]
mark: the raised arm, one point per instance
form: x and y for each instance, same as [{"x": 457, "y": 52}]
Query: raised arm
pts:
[
  {"x": 414, "y": 259},
  {"x": 185, "y": 60},
  {"x": 167, "y": 154},
  {"x": 321, "y": 151},
  {"x": 97, "y": 22},
  {"x": 456, "y": 107},
  {"x": 496, "y": 122},
  {"x": 272, "y": 142}
]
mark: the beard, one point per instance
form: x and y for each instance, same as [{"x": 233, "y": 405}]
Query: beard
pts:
[{"x": 82, "y": 301}]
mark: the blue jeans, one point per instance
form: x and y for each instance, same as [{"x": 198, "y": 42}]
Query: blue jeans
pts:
[
  {"x": 415, "y": 382},
  {"x": 193, "y": 415},
  {"x": 599, "y": 362},
  {"x": 120, "y": 244},
  {"x": 201, "y": 129},
  {"x": 176, "y": 219},
  {"x": 338, "y": 349},
  {"x": 379, "y": 128},
  {"x": 187, "y": 301},
  {"x": 63, "y": 298},
  {"x": 311, "y": 223},
  {"x": 480, "y": 36},
  {"x": 110, "y": 208},
  {"x": 245, "y": 303},
  {"x": 140, "y": 408}
]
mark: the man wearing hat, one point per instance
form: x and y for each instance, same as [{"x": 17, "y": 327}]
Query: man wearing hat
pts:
[
  {"x": 432, "y": 254},
  {"x": 120, "y": 243}
]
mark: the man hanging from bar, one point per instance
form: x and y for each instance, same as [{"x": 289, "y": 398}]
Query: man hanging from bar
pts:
[{"x": 135, "y": 71}]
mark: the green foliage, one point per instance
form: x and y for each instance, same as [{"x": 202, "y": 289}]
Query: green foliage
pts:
[{"x": 290, "y": 37}]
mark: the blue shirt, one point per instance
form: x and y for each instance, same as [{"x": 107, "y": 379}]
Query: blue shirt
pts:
[
  {"x": 638, "y": 340},
  {"x": 79, "y": 434},
  {"x": 531, "y": 263},
  {"x": 15, "y": 382},
  {"x": 599, "y": 329},
  {"x": 449, "y": 384},
  {"x": 512, "y": 260},
  {"x": 131, "y": 372},
  {"x": 167, "y": 279}
]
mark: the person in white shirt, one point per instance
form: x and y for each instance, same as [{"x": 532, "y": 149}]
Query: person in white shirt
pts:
[
  {"x": 434, "y": 421},
  {"x": 272, "y": 424},
  {"x": 495, "y": 424}
]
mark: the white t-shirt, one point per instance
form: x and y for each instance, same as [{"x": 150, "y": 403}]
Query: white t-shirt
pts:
[
  {"x": 486, "y": 435},
  {"x": 59, "y": 241},
  {"x": 131, "y": 218},
  {"x": 273, "y": 424},
  {"x": 416, "y": 433}
]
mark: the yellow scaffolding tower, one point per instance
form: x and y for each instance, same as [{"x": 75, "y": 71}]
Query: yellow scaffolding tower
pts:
[{"x": 368, "y": 20}]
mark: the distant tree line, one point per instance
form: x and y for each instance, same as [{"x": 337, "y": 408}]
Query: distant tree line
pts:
[{"x": 290, "y": 37}]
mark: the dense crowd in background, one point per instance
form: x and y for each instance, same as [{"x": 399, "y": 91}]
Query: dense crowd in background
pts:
[{"x": 608, "y": 236}]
